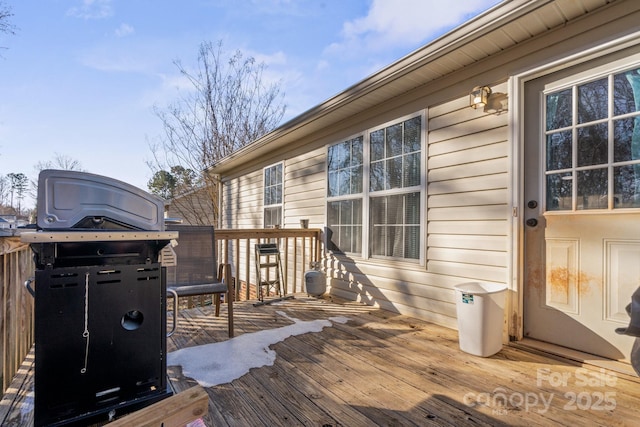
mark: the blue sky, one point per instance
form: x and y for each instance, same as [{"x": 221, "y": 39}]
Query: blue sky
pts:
[{"x": 81, "y": 77}]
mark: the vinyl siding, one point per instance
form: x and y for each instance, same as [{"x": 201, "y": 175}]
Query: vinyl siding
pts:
[
  {"x": 305, "y": 189},
  {"x": 303, "y": 198},
  {"x": 467, "y": 220},
  {"x": 468, "y": 206}
]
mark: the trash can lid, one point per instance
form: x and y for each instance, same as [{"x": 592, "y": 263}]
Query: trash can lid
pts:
[{"x": 480, "y": 288}]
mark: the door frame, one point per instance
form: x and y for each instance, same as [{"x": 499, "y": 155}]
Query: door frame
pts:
[{"x": 516, "y": 90}]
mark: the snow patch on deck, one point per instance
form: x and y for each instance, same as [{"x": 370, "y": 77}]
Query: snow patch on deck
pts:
[{"x": 223, "y": 362}]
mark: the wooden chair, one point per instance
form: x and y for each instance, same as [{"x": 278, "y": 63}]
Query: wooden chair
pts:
[{"x": 195, "y": 270}]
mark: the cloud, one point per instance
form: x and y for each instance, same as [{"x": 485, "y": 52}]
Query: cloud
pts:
[
  {"x": 92, "y": 9},
  {"x": 124, "y": 30},
  {"x": 404, "y": 23}
]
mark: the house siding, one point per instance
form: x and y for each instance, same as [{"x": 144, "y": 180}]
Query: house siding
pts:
[
  {"x": 472, "y": 189},
  {"x": 467, "y": 217},
  {"x": 241, "y": 204},
  {"x": 303, "y": 198},
  {"x": 305, "y": 189},
  {"x": 467, "y": 221}
]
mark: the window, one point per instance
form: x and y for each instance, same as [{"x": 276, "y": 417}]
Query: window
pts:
[
  {"x": 273, "y": 195},
  {"x": 395, "y": 172},
  {"x": 344, "y": 211},
  {"x": 592, "y": 144},
  {"x": 389, "y": 206}
]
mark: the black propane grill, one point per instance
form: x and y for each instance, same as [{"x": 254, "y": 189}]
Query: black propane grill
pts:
[{"x": 100, "y": 299}]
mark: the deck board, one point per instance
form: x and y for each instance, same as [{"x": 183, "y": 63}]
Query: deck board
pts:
[{"x": 378, "y": 368}]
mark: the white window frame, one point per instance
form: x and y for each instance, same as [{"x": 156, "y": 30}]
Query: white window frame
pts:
[
  {"x": 366, "y": 194},
  {"x": 265, "y": 185}
]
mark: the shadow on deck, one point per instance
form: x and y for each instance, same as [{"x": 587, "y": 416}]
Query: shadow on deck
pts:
[{"x": 319, "y": 362}]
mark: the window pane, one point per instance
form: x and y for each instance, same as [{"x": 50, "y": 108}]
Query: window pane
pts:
[
  {"x": 356, "y": 180},
  {"x": 377, "y": 179},
  {"x": 411, "y": 170},
  {"x": 333, "y": 213},
  {"x": 272, "y": 216},
  {"x": 626, "y": 92},
  {"x": 395, "y": 242},
  {"x": 337, "y": 157},
  {"x": 559, "y": 188},
  {"x": 377, "y": 207},
  {"x": 356, "y": 151},
  {"x": 412, "y": 242},
  {"x": 277, "y": 197},
  {"x": 559, "y": 150},
  {"x": 344, "y": 165},
  {"x": 394, "y": 173},
  {"x": 592, "y": 189},
  {"x": 624, "y": 148},
  {"x": 356, "y": 241},
  {"x": 333, "y": 188},
  {"x": 394, "y": 140},
  {"x": 345, "y": 225},
  {"x": 346, "y": 212},
  {"x": 278, "y": 174},
  {"x": 593, "y": 100},
  {"x": 267, "y": 196},
  {"x": 395, "y": 226},
  {"x": 357, "y": 211},
  {"x": 412, "y": 129},
  {"x": 343, "y": 182},
  {"x": 626, "y": 183},
  {"x": 344, "y": 238},
  {"x": 559, "y": 110},
  {"x": 377, "y": 240},
  {"x": 376, "y": 141},
  {"x": 412, "y": 209},
  {"x": 395, "y": 211},
  {"x": 593, "y": 142}
]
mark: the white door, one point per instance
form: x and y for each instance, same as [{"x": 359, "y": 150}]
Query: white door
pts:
[{"x": 582, "y": 205}]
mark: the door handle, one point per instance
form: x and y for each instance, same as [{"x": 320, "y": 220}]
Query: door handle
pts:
[{"x": 532, "y": 222}]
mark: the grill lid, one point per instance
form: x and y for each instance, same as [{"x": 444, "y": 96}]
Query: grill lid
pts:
[{"x": 80, "y": 200}]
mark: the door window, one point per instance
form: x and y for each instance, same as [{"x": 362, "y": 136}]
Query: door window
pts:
[{"x": 592, "y": 144}]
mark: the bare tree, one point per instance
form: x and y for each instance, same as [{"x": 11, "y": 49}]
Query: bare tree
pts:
[
  {"x": 229, "y": 106},
  {"x": 6, "y": 26},
  {"x": 4, "y": 191},
  {"x": 19, "y": 185},
  {"x": 59, "y": 161}
]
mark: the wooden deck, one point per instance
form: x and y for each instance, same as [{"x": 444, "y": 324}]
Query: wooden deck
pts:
[{"x": 383, "y": 369}]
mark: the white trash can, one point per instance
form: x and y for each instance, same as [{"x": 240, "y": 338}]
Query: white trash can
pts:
[{"x": 480, "y": 310}]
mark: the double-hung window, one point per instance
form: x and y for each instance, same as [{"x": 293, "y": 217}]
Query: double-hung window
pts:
[
  {"x": 374, "y": 184},
  {"x": 273, "y": 195},
  {"x": 344, "y": 207},
  {"x": 394, "y": 190}
]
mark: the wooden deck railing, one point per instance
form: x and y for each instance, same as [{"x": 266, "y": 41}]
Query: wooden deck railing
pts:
[
  {"x": 16, "y": 306},
  {"x": 299, "y": 247}
]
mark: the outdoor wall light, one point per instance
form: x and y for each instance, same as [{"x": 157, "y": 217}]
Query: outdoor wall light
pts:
[
  {"x": 479, "y": 96},
  {"x": 490, "y": 102}
]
